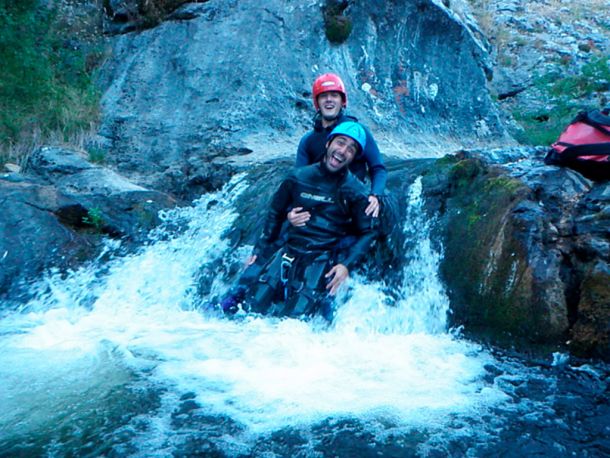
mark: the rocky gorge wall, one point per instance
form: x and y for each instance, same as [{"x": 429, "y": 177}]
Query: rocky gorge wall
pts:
[
  {"x": 550, "y": 60},
  {"x": 228, "y": 81}
]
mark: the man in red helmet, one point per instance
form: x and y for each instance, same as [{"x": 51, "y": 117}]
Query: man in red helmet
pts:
[{"x": 330, "y": 100}]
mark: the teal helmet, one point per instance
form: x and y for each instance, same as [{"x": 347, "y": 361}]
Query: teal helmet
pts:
[{"x": 352, "y": 130}]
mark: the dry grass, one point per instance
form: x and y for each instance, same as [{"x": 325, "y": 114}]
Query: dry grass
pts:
[
  {"x": 58, "y": 49},
  {"x": 19, "y": 152},
  {"x": 564, "y": 79}
]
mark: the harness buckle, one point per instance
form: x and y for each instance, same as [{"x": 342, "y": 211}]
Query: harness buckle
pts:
[{"x": 285, "y": 266}]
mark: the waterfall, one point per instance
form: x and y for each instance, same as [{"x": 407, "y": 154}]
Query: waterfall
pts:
[
  {"x": 112, "y": 331},
  {"x": 423, "y": 304}
]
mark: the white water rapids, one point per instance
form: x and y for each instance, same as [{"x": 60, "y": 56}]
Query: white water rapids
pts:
[{"x": 138, "y": 320}]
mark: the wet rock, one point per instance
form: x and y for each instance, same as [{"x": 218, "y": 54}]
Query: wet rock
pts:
[
  {"x": 526, "y": 247},
  {"x": 32, "y": 238},
  {"x": 591, "y": 334},
  {"x": 57, "y": 210},
  {"x": 499, "y": 269},
  {"x": 102, "y": 198}
]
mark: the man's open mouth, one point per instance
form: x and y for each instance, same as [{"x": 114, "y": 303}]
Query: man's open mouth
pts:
[{"x": 338, "y": 159}]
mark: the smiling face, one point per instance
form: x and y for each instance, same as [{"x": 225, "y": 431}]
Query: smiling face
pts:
[
  {"x": 340, "y": 152},
  {"x": 330, "y": 104}
]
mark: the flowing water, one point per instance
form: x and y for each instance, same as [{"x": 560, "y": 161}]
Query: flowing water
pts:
[{"x": 125, "y": 358}]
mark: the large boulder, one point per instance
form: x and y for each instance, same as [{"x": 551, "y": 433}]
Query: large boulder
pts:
[
  {"x": 104, "y": 198},
  {"x": 56, "y": 214},
  {"x": 526, "y": 248},
  {"x": 32, "y": 236}
]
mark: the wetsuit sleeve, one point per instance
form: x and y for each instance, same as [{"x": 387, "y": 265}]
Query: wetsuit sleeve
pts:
[
  {"x": 280, "y": 203},
  {"x": 365, "y": 228},
  {"x": 377, "y": 170},
  {"x": 302, "y": 156}
]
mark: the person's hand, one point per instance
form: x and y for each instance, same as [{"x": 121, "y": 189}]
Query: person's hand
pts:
[
  {"x": 251, "y": 260},
  {"x": 338, "y": 274},
  {"x": 297, "y": 217},
  {"x": 372, "y": 208}
]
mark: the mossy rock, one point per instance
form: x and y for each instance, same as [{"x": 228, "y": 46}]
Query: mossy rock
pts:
[
  {"x": 462, "y": 174},
  {"x": 487, "y": 267},
  {"x": 338, "y": 28},
  {"x": 337, "y": 25},
  {"x": 591, "y": 332}
]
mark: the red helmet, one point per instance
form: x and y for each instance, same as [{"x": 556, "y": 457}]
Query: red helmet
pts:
[{"x": 329, "y": 82}]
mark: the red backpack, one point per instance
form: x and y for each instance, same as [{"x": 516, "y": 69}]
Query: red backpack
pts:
[{"x": 585, "y": 145}]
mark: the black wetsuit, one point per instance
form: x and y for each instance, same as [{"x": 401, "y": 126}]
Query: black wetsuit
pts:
[
  {"x": 336, "y": 202},
  {"x": 294, "y": 274}
]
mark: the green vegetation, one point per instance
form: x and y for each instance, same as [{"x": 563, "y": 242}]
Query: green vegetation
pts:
[
  {"x": 96, "y": 154},
  {"x": 447, "y": 159},
  {"x": 338, "y": 26},
  {"x": 564, "y": 95},
  {"x": 473, "y": 216},
  {"x": 46, "y": 82},
  {"x": 464, "y": 172},
  {"x": 500, "y": 189},
  {"x": 502, "y": 184},
  {"x": 94, "y": 219}
]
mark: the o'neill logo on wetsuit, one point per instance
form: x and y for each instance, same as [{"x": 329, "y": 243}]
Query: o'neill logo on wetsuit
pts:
[{"x": 317, "y": 198}]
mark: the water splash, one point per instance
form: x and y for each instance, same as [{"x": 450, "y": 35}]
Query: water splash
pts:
[
  {"x": 136, "y": 320},
  {"x": 423, "y": 304}
]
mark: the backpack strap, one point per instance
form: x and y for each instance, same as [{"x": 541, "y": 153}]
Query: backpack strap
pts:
[
  {"x": 600, "y": 116},
  {"x": 595, "y": 119},
  {"x": 592, "y": 149}
]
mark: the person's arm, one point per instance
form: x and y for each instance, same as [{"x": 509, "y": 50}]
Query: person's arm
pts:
[
  {"x": 296, "y": 216},
  {"x": 366, "y": 235},
  {"x": 377, "y": 170},
  {"x": 357, "y": 251},
  {"x": 281, "y": 201},
  {"x": 302, "y": 156},
  {"x": 365, "y": 228}
]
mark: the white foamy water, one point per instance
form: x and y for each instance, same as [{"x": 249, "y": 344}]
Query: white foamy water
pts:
[
  {"x": 137, "y": 317},
  {"x": 423, "y": 305}
]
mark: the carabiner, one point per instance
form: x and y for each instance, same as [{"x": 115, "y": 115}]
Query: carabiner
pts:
[{"x": 285, "y": 267}]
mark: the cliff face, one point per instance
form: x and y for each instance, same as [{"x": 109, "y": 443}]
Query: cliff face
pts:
[
  {"x": 551, "y": 59},
  {"x": 233, "y": 79}
]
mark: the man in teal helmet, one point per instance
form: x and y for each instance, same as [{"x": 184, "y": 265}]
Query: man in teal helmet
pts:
[{"x": 298, "y": 278}]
